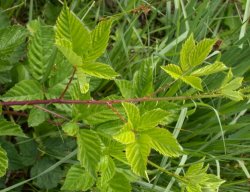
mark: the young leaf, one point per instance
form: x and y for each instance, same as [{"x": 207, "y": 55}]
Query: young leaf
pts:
[
  {"x": 70, "y": 28},
  {"x": 36, "y": 117},
  {"x": 3, "y": 162},
  {"x": 200, "y": 52},
  {"x": 99, "y": 70},
  {"x": 195, "y": 82},
  {"x": 164, "y": 142},
  {"x": 229, "y": 89},
  {"x": 209, "y": 69},
  {"x": 99, "y": 38},
  {"x": 8, "y": 128},
  {"x": 107, "y": 167},
  {"x": 65, "y": 47},
  {"x": 152, "y": 118},
  {"x": 71, "y": 128},
  {"x": 89, "y": 150},
  {"x": 77, "y": 179},
  {"x": 40, "y": 50},
  {"x": 187, "y": 47},
  {"x": 83, "y": 80},
  {"x": 132, "y": 112},
  {"x": 137, "y": 154},
  {"x": 125, "y": 137},
  {"x": 173, "y": 70}
]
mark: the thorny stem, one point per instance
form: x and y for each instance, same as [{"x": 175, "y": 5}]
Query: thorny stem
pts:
[
  {"x": 106, "y": 102},
  {"x": 67, "y": 86}
]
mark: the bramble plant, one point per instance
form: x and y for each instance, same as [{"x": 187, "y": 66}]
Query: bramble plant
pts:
[{"x": 114, "y": 136}]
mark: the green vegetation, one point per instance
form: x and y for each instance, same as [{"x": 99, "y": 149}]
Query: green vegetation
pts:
[{"x": 124, "y": 96}]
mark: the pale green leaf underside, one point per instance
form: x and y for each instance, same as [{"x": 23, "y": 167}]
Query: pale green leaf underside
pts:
[
  {"x": 99, "y": 37},
  {"x": 137, "y": 154},
  {"x": 164, "y": 142},
  {"x": 8, "y": 128},
  {"x": 40, "y": 50},
  {"x": 99, "y": 70},
  {"x": 89, "y": 150},
  {"x": 3, "y": 162},
  {"x": 77, "y": 179},
  {"x": 70, "y": 28},
  {"x": 209, "y": 69}
]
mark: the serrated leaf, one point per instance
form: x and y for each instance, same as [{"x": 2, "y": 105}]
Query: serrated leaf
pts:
[
  {"x": 233, "y": 95},
  {"x": 164, "y": 142},
  {"x": 40, "y": 50},
  {"x": 125, "y": 137},
  {"x": 36, "y": 117},
  {"x": 89, "y": 150},
  {"x": 187, "y": 47},
  {"x": 126, "y": 88},
  {"x": 3, "y": 162},
  {"x": 65, "y": 47},
  {"x": 78, "y": 179},
  {"x": 11, "y": 38},
  {"x": 200, "y": 52},
  {"x": 107, "y": 167},
  {"x": 195, "y": 82},
  {"x": 8, "y": 128},
  {"x": 132, "y": 112},
  {"x": 99, "y": 38},
  {"x": 71, "y": 128},
  {"x": 24, "y": 90},
  {"x": 70, "y": 28},
  {"x": 119, "y": 183},
  {"x": 137, "y": 154},
  {"x": 173, "y": 70},
  {"x": 210, "y": 69},
  {"x": 152, "y": 118},
  {"x": 234, "y": 84},
  {"x": 228, "y": 78},
  {"x": 99, "y": 70},
  {"x": 143, "y": 80}
]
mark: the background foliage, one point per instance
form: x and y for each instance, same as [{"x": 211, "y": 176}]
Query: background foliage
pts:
[{"x": 125, "y": 49}]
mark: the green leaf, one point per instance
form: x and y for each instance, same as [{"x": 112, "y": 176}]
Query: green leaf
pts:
[
  {"x": 125, "y": 137},
  {"x": 99, "y": 38},
  {"x": 234, "y": 84},
  {"x": 228, "y": 78},
  {"x": 173, "y": 70},
  {"x": 89, "y": 150},
  {"x": 164, "y": 142},
  {"x": 132, "y": 112},
  {"x": 49, "y": 180},
  {"x": 10, "y": 39},
  {"x": 24, "y": 90},
  {"x": 233, "y": 95},
  {"x": 137, "y": 154},
  {"x": 152, "y": 118},
  {"x": 40, "y": 50},
  {"x": 107, "y": 167},
  {"x": 126, "y": 88},
  {"x": 185, "y": 53},
  {"x": 143, "y": 80},
  {"x": 229, "y": 89},
  {"x": 36, "y": 117},
  {"x": 8, "y": 128},
  {"x": 209, "y": 69},
  {"x": 71, "y": 128},
  {"x": 99, "y": 70},
  {"x": 65, "y": 47},
  {"x": 200, "y": 52},
  {"x": 77, "y": 179},
  {"x": 195, "y": 82},
  {"x": 83, "y": 80},
  {"x": 3, "y": 162},
  {"x": 119, "y": 183},
  {"x": 70, "y": 28}
]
